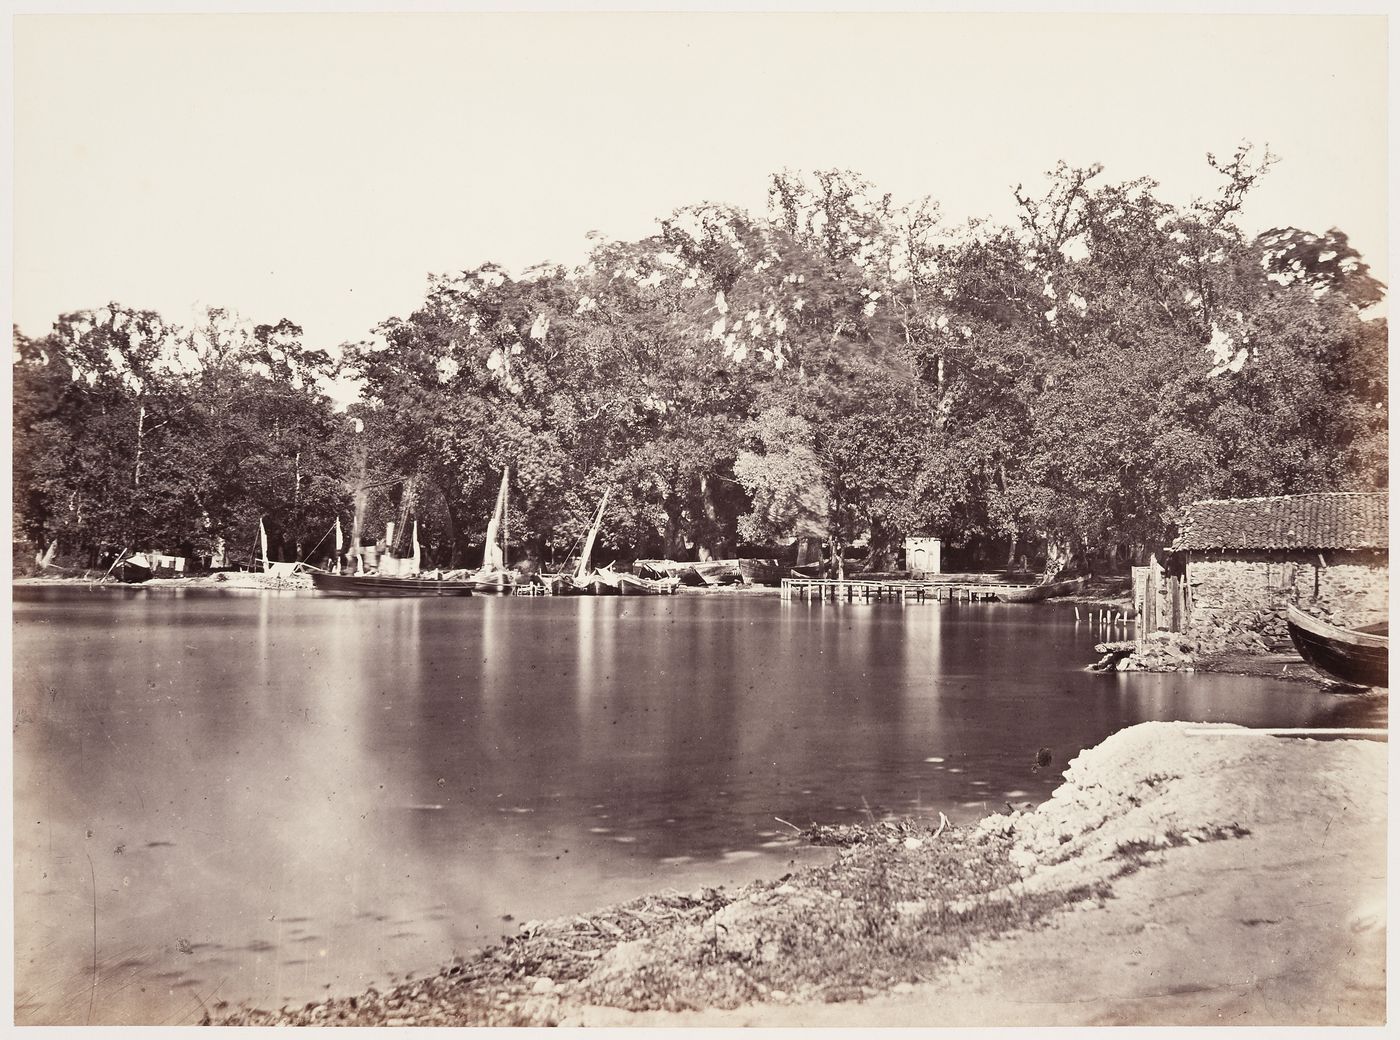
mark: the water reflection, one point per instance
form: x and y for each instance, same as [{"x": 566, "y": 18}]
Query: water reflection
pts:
[{"x": 268, "y": 796}]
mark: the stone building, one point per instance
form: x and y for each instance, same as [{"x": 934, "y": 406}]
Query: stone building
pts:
[
  {"x": 1241, "y": 561},
  {"x": 923, "y": 556}
]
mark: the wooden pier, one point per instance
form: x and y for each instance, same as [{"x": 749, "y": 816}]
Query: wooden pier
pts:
[{"x": 878, "y": 589}]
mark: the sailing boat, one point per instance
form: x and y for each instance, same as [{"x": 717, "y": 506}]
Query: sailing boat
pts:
[
  {"x": 493, "y": 577},
  {"x": 408, "y": 582},
  {"x": 582, "y": 581}
]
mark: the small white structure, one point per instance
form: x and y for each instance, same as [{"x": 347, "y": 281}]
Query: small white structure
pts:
[{"x": 923, "y": 556}]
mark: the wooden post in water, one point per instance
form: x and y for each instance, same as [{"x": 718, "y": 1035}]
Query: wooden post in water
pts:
[
  {"x": 1140, "y": 599},
  {"x": 1151, "y": 612}
]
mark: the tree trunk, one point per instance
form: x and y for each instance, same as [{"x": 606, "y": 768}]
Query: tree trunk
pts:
[
  {"x": 1011, "y": 552},
  {"x": 714, "y": 544},
  {"x": 1057, "y": 555},
  {"x": 140, "y": 445},
  {"x": 296, "y": 503},
  {"x": 671, "y": 541},
  {"x": 882, "y": 552},
  {"x": 454, "y": 550}
]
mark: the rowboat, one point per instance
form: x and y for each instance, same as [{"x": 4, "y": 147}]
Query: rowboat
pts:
[
  {"x": 720, "y": 572},
  {"x": 632, "y": 585},
  {"x": 660, "y": 570},
  {"x": 386, "y": 585},
  {"x": 761, "y": 572},
  {"x": 134, "y": 569},
  {"x": 493, "y": 582},
  {"x": 1035, "y": 593},
  {"x": 1361, "y": 658}
]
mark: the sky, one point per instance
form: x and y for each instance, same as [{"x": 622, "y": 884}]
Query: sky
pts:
[{"x": 319, "y": 167}]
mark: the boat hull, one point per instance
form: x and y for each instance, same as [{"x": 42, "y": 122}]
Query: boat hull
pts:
[
  {"x": 132, "y": 573},
  {"x": 631, "y": 585},
  {"x": 1036, "y": 593},
  {"x": 493, "y": 588},
  {"x": 492, "y": 583},
  {"x": 381, "y": 585},
  {"x": 1359, "y": 658}
]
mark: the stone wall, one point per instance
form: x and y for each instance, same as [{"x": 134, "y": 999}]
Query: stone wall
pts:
[{"x": 1237, "y": 597}]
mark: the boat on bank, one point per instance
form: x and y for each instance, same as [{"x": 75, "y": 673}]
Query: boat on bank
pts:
[
  {"x": 134, "y": 569},
  {"x": 632, "y": 585},
  {"x": 1357, "y": 656},
  {"x": 659, "y": 570},
  {"x": 626, "y": 584},
  {"x": 1036, "y": 593},
  {"x": 720, "y": 572}
]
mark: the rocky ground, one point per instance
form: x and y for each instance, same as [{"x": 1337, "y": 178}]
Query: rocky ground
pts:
[
  {"x": 1181, "y": 874},
  {"x": 1173, "y": 652}
]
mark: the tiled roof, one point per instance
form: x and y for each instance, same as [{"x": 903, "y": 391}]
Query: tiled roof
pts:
[{"x": 1334, "y": 520}]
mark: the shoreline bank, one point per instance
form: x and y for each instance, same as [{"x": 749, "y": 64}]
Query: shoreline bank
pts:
[{"x": 1158, "y": 885}]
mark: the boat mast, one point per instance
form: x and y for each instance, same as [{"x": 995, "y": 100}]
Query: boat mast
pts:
[
  {"x": 587, "y": 553},
  {"x": 505, "y": 515}
]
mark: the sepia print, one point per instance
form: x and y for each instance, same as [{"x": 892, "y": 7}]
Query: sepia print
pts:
[{"x": 685, "y": 518}]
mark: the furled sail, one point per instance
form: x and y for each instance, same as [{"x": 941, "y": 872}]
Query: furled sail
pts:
[
  {"x": 495, "y": 558},
  {"x": 587, "y": 554}
]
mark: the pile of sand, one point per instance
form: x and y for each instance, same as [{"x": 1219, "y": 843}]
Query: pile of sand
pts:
[{"x": 1164, "y": 784}]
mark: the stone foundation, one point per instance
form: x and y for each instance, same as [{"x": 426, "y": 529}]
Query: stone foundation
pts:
[{"x": 1238, "y": 596}]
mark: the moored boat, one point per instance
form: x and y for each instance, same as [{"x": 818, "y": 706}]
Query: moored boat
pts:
[
  {"x": 632, "y": 585},
  {"x": 134, "y": 569},
  {"x": 761, "y": 572},
  {"x": 583, "y": 581},
  {"x": 720, "y": 572},
  {"x": 388, "y": 585},
  {"x": 1035, "y": 593},
  {"x": 605, "y": 582},
  {"x": 494, "y": 582},
  {"x": 1361, "y": 658},
  {"x": 493, "y": 578},
  {"x": 660, "y": 570}
]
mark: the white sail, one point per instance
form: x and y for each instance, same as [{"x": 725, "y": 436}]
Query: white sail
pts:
[
  {"x": 339, "y": 540},
  {"x": 587, "y": 553},
  {"x": 495, "y": 558},
  {"x": 262, "y": 532},
  {"x": 417, "y": 550}
]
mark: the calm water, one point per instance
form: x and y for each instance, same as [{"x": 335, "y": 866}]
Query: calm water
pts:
[{"x": 268, "y": 797}]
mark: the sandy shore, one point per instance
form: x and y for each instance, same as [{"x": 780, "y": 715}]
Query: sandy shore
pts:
[{"x": 1181, "y": 875}]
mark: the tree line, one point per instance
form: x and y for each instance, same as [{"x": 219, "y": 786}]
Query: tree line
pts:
[{"x": 1060, "y": 385}]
